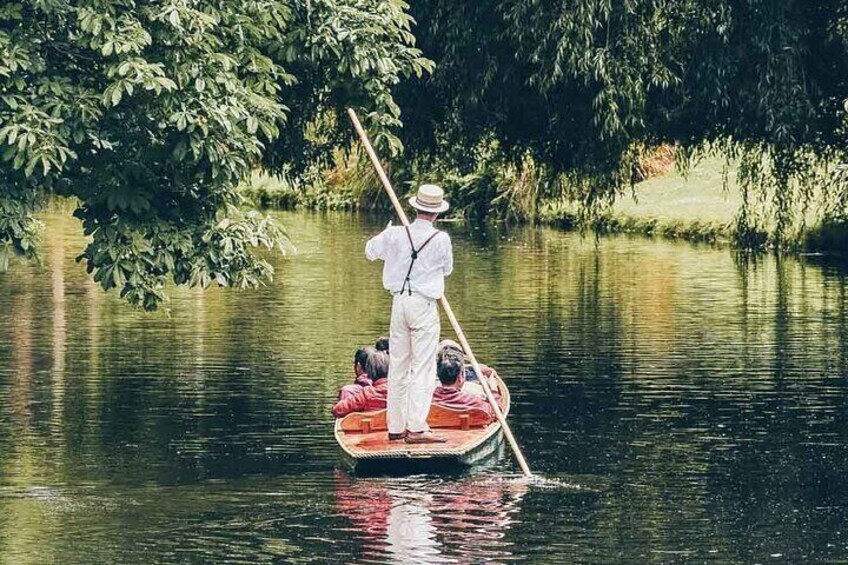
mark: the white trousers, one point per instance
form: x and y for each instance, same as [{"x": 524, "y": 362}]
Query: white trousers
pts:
[{"x": 413, "y": 340}]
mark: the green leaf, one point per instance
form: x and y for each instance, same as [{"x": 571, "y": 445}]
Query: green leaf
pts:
[{"x": 252, "y": 124}]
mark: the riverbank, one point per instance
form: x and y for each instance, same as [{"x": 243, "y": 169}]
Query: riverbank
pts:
[
  {"x": 703, "y": 206},
  {"x": 696, "y": 207},
  {"x": 699, "y": 206}
]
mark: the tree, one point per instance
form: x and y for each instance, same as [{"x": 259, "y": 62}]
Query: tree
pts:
[
  {"x": 150, "y": 113},
  {"x": 581, "y": 85}
]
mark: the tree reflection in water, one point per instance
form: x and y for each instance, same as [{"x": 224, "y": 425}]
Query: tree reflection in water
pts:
[
  {"x": 425, "y": 520},
  {"x": 704, "y": 393}
]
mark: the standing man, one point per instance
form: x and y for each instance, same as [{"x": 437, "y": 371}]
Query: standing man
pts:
[{"x": 417, "y": 260}]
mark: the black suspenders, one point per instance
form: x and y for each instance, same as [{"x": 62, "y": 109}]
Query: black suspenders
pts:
[{"x": 407, "y": 285}]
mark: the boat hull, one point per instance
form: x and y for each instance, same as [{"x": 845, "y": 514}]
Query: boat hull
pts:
[
  {"x": 411, "y": 464},
  {"x": 370, "y": 452}
]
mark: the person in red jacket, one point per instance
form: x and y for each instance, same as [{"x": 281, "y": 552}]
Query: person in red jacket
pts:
[
  {"x": 450, "y": 370},
  {"x": 361, "y": 376},
  {"x": 368, "y": 398},
  {"x": 471, "y": 380}
]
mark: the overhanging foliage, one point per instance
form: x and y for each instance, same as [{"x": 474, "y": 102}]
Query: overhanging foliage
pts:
[
  {"x": 579, "y": 84},
  {"x": 150, "y": 113}
]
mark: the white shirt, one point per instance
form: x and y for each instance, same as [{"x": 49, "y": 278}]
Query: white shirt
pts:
[{"x": 434, "y": 263}]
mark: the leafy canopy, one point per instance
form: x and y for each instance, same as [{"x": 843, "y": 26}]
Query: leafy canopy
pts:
[
  {"x": 150, "y": 113},
  {"x": 581, "y": 85}
]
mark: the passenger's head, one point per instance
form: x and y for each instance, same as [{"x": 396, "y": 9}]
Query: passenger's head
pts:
[
  {"x": 377, "y": 366},
  {"x": 382, "y": 344},
  {"x": 449, "y": 344},
  {"x": 449, "y": 368},
  {"x": 360, "y": 358}
]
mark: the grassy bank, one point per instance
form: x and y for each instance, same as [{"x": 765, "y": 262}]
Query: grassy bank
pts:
[
  {"x": 699, "y": 206},
  {"x": 695, "y": 207},
  {"x": 703, "y": 206}
]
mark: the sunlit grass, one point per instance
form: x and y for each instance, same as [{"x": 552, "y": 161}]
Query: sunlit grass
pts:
[
  {"x": 704, "y": 205},
  {"x": 697, "y": 197}
]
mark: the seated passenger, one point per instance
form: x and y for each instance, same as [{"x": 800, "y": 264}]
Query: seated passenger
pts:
[
  {"x": 368, "y": 398},
  {"x": 361, "y": 378},
  {"x": 472, "y": 383},
  {"x": 450, "y": 393}
]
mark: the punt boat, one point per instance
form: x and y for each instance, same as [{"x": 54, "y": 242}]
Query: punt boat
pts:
[{"x": 472, "y": 439}]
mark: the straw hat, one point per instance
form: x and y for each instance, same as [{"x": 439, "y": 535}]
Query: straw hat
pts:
[{"x": 430, "y": 198}]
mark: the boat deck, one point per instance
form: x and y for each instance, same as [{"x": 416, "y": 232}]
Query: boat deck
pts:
[{"x": 377, "y": 444}]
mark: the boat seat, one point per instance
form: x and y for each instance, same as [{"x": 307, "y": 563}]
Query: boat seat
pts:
[
  {"x": 439, "y": 418},
  {"x": 365, "y": 422}
]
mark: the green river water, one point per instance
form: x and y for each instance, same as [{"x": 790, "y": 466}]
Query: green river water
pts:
[{"x": 687, "y": 404}]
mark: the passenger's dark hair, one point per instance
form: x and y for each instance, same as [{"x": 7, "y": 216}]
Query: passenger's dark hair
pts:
[
  {"x": 361, "y": 356},
  {"x": 449, "y": 366},
  {"x": 382, "y": 344},
  {"x": 377, "y": 366}
]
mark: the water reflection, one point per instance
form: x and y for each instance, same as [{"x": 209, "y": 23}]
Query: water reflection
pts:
[
  {"x": 431, "y": 521},
  {"x": 705, "y": 392}
]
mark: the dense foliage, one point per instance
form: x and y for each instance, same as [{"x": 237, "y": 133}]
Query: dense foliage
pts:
[
  {"x": 582, "y": 86},
  {"x": 150, "y": 113}
]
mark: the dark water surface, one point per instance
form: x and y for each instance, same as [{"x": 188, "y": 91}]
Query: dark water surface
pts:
[{"x": 690, "y": 406}]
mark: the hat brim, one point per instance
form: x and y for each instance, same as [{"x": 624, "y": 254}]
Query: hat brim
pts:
[{"x": 415, "y": 203}]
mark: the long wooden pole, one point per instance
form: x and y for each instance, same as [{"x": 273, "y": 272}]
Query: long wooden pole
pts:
[{"x": 444, "y": 301}]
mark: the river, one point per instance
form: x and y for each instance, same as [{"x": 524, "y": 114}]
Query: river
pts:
[{"x": 685, "y": 403}]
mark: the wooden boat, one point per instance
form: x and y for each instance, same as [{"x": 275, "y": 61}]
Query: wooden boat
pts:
[{"x": 472, "y": 438}]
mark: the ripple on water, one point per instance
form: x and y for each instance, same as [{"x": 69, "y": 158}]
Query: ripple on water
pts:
[{"x": 680, "y": 405}]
